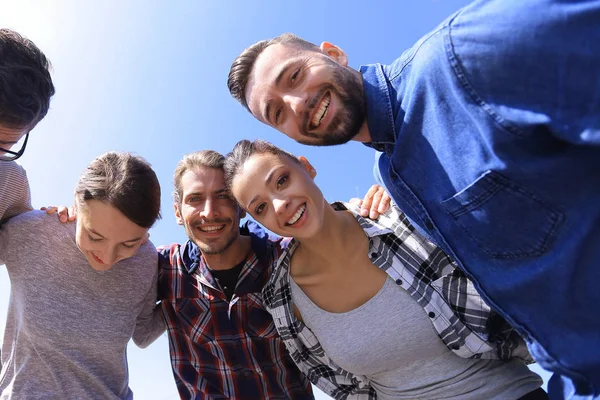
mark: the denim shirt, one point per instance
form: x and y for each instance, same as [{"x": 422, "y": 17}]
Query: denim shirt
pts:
[{"x": 490, "y": 133}]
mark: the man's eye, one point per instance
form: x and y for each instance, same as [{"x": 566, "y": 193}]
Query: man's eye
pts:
[
  {"x": 294, "y": 76},
  {"x": 277, "y": 115},
  {"x": 128, "y": 246},
  {"x": 260, "y": 208},
  {"x": 282, "y": 181}
]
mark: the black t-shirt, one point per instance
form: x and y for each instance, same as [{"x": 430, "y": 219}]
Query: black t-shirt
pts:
[{"x": 228, "y": 278}]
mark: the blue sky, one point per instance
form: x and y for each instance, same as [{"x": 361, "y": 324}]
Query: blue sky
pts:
[{"x": 150, "y": 77}]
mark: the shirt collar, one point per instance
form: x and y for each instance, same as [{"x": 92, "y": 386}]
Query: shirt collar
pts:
[
  {"x": 371, "y": 227},
  {"x": 380, "y": 115}
]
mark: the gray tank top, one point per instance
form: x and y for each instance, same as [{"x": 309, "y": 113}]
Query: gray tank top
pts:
[{"x": 391, "y": 341}]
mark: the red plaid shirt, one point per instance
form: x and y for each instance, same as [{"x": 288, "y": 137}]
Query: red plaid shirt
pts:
[{"x": 221, "y": 349}]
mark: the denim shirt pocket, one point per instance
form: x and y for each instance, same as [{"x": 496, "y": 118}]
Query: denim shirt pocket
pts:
[{"x": 504, "y": 219}]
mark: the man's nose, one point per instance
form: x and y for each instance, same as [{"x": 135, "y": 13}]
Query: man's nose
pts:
[
  {"x": 297, "y": 102},
  {"x": 209, "y": 210}
]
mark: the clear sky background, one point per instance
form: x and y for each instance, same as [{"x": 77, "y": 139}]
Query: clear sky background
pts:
[{"x": 150, "y": 77}]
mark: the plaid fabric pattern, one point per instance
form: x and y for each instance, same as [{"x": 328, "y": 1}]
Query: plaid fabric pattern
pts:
[
  {"x": 462, "y": 320},
  {"x": 220, "y": 349}
]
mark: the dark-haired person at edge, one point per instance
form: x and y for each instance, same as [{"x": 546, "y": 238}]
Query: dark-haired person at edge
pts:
[
  {"x": 25, "y": 91},
  {"x": 490, "y": 131}
]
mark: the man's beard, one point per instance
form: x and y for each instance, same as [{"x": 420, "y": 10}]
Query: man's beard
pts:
[
  {"x": 349, "y": 119},
  {"x": 213, "y": 248}
]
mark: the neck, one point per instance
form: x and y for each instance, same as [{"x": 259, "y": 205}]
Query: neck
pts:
[
  {"x": 231, "y": 256},
  {"x": 363, "y": 135},
  {"x": 331, "y": 244}
]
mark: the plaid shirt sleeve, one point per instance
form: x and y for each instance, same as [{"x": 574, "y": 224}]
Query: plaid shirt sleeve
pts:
[{"x": 464, "y": 322}]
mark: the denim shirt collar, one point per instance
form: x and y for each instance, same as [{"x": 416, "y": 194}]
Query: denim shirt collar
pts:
[
  {"x": 380, "y": 115},
  {"x": 191, "y": 256}
]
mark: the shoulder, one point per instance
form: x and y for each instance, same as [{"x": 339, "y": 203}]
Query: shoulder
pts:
[
  {"x": 38, "y": 220},
  {"x": 167, "y": 250},
  {"x": 10, "y": 169},
  {"x": 13, "y": 182},
  {"x": 13, "y": 178},
  {"x": 258, "y": 232},
  {"x": 385, "y": 223},
  {"x": 143, "y": 266},
  {"x": 37, "y": 231},
  {"x": 166, "y": 254},
  {"x": 263, "y": 243},
  {"x": 146, "y": 254}
]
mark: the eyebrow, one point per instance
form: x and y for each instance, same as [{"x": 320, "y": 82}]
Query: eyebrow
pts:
[
  {"x": 267, "y": 183},
  {"x": 286, "y": 67},
  {"x": 125, "y": 241},
  {"x": 218, "y": 191}
]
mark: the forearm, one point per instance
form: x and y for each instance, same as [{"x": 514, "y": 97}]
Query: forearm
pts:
[{"x": 149, "y": 329}]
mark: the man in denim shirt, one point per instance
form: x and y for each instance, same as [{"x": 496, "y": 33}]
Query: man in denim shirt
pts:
[{"x": 489, "y": 128}]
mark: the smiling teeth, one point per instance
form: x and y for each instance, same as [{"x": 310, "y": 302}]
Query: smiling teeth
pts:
[
  {"x": 211, "y": 228},
  {"x": 297, "y": 216},
  {"x": 320, "y": 114}
]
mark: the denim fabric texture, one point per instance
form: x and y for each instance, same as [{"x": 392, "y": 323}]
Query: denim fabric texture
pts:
[{"x": 489, "y": 129}]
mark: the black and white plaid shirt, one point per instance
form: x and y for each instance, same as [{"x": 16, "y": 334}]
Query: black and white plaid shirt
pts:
[{"x": 460, "y": 317}]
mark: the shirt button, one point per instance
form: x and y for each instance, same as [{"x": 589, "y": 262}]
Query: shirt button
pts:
[
  {"x": 428, "y": 224},
  {"x": 373, "y": 255},
  {"x": 454, "y": 347},
  {"x": 398, "y": 281},
  {"x": 431, "y": 314}
]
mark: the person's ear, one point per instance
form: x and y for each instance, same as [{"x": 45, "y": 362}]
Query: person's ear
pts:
[
  {"x": 308, "y": 167},
  {"x": 334, "y": 52},
  {"x": 178, "y": 217},
  {"x": 242, "y": 212},
  {"x": 145, "y": 238}
]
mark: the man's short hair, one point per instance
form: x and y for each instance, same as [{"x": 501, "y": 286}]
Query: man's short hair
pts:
[
  {"x": 25, "y": 83},
  {"x": 242, "y": 66},
  {"x": 199, "y": 159}
]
